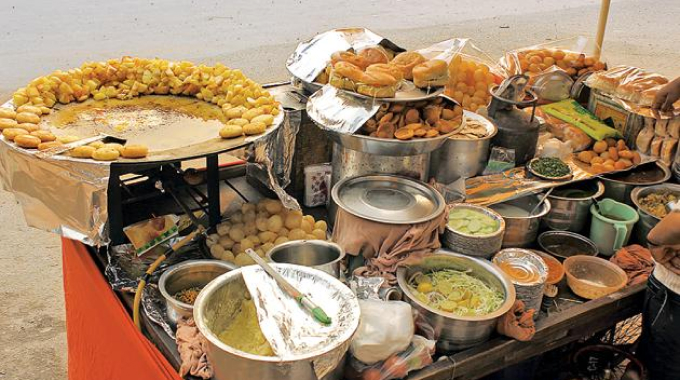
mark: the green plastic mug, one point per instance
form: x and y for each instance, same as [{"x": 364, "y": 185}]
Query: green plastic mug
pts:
[{"x": 611, "y": 227}]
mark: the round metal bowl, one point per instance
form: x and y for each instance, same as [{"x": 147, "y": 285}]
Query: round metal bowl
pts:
[
  {"x": 619, "y": 186},
  {"x": 570, "y": 206},
  {"x": 318, "y": 254},
  {"x": 521, "y": 231},
  {"x": 648, "y": 221},
  {"x": 565, "y": 244},
  {"x": 483, "y": 246},
  {"x": 533, "y": 172},
  {"x": 188, "y": 274},
  {"x": 221, "y": 299},
  {"x": 458, "y": 332}
]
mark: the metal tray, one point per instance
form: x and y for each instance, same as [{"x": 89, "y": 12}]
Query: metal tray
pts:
[
  {"x": 537, "y": 174},
  {"x": 179, "y": 151}
]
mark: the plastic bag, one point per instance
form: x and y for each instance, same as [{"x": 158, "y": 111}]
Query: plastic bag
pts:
[
  {"x": 416, "y": 356},
  {"x": 632, "y": 84},
  {"x": 385, "y": 329},
  {"x": 500, "y": 160},
  {"x": 472, "y": 73},
  {"x": 573, "y": 56}
]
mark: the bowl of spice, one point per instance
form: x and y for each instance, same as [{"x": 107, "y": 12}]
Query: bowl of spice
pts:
[
  {"x": 551, "y": 168},
  {"x": 181, "y": 283},
  {"x": 474, "y": 230}
]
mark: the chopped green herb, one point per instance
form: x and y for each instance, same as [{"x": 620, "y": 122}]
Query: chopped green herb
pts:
[{"x": 550, "y": 167}]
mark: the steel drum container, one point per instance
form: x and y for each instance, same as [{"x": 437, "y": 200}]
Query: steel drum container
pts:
[
  {"x": 647, "y": 221},
  {"x": 458, "y": 332},
  {"x": 521, "y": 230},
  {"x": 214, "y": 309},
  {"x": 570, "y": 206},
  {"x": 619, "y": 186},
  {"x": 527, "y": 271},
  {"x": 318, "y": 254}
]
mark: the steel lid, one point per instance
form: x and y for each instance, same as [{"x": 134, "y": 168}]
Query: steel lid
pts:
[{"x": 388, "y": 199}]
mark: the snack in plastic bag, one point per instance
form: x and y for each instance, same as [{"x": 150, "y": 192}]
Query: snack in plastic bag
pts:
[
  {"x": 569, "y": 55},
  {"x": 572, "y": 113},
  {"x": 378, "y": 336},
  {"x": 632, "y": 84},
  {"x": 472, "y": 73},
  {"x": 416, "y": 356}
]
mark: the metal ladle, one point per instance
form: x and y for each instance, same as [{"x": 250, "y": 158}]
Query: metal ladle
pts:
[{"x": 540, "y": 202}]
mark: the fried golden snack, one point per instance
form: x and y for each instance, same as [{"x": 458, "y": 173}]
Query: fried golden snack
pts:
[
  {"x": 83, "y": 151},
  {"x": 252, "y": 113},
  {"x": 11, "y": 133},
  {"x": 29, "y": 126},
  {"x": 266, "y": 119},
  {"x": 254, "y": 128},
  {"x": 116, "y": 146},
  {"x": 96, "y": 144},
  {"x": 135, "y": 151},
  {"x": 231, "y": 131},
  {"x": 7, "y": 123},
  {"x": 106, "y": 154},
  {"x": 30, "y": 109},
  {"x": 67, "y": 139},
  {"x": 240, "y": 122},
  {"x": 27, "y": 117},
  {"x": 404, "y": 133},
  {"x": 44, "y": 136},
  {"x": 7, "y": 113},
  {"x": 49, "y": 144},
  {"x": 27, "y": 141}
]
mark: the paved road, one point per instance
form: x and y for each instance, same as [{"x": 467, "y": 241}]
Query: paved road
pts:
[{"x": 257, "y": 36}]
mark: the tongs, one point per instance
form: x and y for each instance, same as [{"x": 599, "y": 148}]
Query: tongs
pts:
[{"x": 47, "y": 153}]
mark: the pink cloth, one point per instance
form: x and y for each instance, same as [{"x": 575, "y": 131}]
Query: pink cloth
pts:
[
  {"x": 193, "y": 348},
  {"x": 386, "y": 246}
]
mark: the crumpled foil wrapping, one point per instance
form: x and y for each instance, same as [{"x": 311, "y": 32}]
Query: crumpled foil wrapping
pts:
[
  {"x": 312, "y": 57},
  {"x": 366, "y": 288},
  {"x": 291, "y": 330},
  {"x": 518, "y": 182},
  {"x": 270, "y": 160},
  {"x": 154, "y": 308},
  {"x": 338, "y": 111},
  {"x": 60, "y": 196}
]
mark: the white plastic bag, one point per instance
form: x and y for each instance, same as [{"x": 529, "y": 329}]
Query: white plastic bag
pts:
[{"x": 386, "y": 328}]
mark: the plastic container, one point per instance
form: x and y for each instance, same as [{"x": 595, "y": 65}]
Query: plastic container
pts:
[{"x": 593, "y": 277}]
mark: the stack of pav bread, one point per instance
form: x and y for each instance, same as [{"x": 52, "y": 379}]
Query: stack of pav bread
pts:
[{"x": 373, "y": 72}]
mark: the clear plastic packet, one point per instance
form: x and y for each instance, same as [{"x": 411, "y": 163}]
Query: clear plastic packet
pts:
[
  {"x": 418, "y": 355},
  {"x": 500, "y": 160},
  {"x": 472, "y": 73},
  {"x": 575, "y": 56},
  {"x": 317, "y": 187},
  {"x": 633, "y": 84}
]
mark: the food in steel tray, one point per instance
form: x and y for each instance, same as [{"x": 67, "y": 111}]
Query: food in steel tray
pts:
[
  {"x": 261, "y": 226},
  {"x": 407, "y": 121},
  {"x": 536, "y": 61},
  {"x": 455, "y": 292},
  {"x": 470, "y": 82},
  {"x": 248, "y": 108},
  {"x": 609, "y": 155},
  {"x": 473, "y": 129},
  {"x": 371, "y": 72},
  {"x": 551, "y": 167},
  {"x": 472, "y": 222},
  {"x": 244, "y": 333},
  {"x": 655, "y": 203},
  {"x": 188, "y": 295}
]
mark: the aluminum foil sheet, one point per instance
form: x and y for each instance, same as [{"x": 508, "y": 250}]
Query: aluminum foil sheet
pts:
[
  {"x": 291, "y": 331},
  {"x": 270, "y": 160},
  {"x": 531, "y": 293},
  {"x": 366, "y": 288},
  {"x": 338, "y": 111},
  {"x": 60, "y": 196},
  {"x": 312, "y": 57},
  {"x": 518, "y": 182},
  {"x": 153, "y": 306}
]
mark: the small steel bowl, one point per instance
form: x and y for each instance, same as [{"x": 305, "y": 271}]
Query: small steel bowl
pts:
[
  {"x": 317, "y": 254},
  {"x": 552, "y": 241},
  {"x": 537, "y": 174},
  {"x": 483, "y": 246},
  {"x": 188, "y": 274}
]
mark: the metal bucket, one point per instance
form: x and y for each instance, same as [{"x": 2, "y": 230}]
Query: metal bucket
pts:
[
  {"x": 521, "y": 231},
  {"x": 528, "y": 291},
  {"x": 570, "y": 211},
  {"x": 188, "y": 274},
  {"x": 222, "y": 298},
  {"x": 318, "y": 254},
  {"x": 647, "y": 221}
]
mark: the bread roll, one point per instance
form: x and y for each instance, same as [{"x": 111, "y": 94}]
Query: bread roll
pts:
[
  {"x": 644, "y": 138},
  {"x": 345, "y": 75},
  {"x": 346, "y": 56},
  {"x": 668, "y": 148},
  {"x": 386, "y": 68},
  {"x": 373, "y": 55},
  {"x": 673, "y": 128},
  {"x": 378, "y": 85},
  {"x": 660, "y": 127},
  {"x": 656, "y": 146},
  {"x": 407, "y": 61},
  {"x": 433, "y": 73}
]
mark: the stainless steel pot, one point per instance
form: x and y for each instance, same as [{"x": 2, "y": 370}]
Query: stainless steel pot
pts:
[
  {"x": 647, "y": 221},
  {"x": 462, "y": 157},
  {"x": 521, "y": 231},
  {"x": 222, "y": 298},
  {"x": 563, "y": 244},
  {"x": 459, "y": 332},
  {"x": 318, "y": 254},
  {"x": 570, "y": 206},
  {"x": 619, "y": 186},
  {"x": 188, "y": 274},
  {"x": 483, "y": 246}
]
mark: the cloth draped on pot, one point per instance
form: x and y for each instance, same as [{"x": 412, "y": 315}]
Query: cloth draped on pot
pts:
[
  {"x": 636, "y": 261},
  {"x": 386, "y": 246}
]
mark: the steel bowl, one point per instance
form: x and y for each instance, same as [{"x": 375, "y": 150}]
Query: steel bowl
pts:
[
  {"x": 565, "y": 244},
  {"x": 647, "y": 221},
  {"x": 388, "y": 147},
  {"x": 318, "y": 254},
  {"x": 570, "y": 206},
  {"x": 462, "y": 157},
  {"x": 483, "y": 246},
  {"x": 619, "y": 186},
  {"x": 188, "y": 274},
  {"x": 521, "y": 231},
  {"x": 458, "y": 332},
  {"x": 220, "y": 300}
]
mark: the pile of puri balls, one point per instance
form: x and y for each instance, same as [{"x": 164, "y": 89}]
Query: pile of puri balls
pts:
[
  {"x": 261, "y": 226},
  {"x": 248, "y": 109}
]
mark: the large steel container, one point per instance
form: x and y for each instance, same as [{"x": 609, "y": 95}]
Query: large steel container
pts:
[
  {"x": 459, "y": 332},
  {"x": 221, "y": 299},
  {"x": 521, "y": 230},
  {"x": 570, "y": 206},
  {"x": 619, "y": 186},
  {"x": 647, "y": 221},
  {"x": 318, "y": 254}
]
